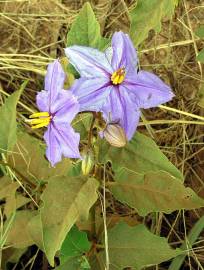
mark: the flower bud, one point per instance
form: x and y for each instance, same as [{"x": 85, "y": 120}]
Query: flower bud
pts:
[
  {"x": 87, "y": 162},
  {"x": 115, "y": 135}
]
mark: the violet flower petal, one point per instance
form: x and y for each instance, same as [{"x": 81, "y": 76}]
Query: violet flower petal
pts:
[
  {"x": 124, "y": 53},
  {"x": 91, "y": 93},
  {"x": 89, "y": 62},
  {"x": 148, "y": 89},
  {"x": 65, "y": 107},
  {"x": 68, "y": 138},
  {"x": 120, "y": 108},
  {"x": 42, "y": 100},
  {"x": 54, "y": 80},
  {"x": 53, "y": 151}
]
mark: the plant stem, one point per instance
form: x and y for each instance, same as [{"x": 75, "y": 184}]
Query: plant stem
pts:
[{"x": 90, "y": 131}]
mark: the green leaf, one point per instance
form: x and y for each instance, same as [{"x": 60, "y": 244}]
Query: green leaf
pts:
[
  {"x": 200, "y": 31},
  {"x": 35, "y": 231},
  {"x": 140, "y": 155},
  {"x": 18, "y": 235},
  {"x": 11, "y": 255},
  {"x": 75, "y": 169},
  {"x": 13, "y": 199},
  {"x": 85, "y": 30},
  {"x": 75, "y": 263},
  {"x": 27, "y": 151},
  {"x": 137, "y": 247},
  {"x": 153, "y": 192},
  {"x": 8, "y": 120},
  {"x": 82, "y": 123},
  {"x": 188, "y": 243},
  {"x": 8, "y": 192},
  {"x": 147, "y": 15},
  {"x": 200, "y": 56},
  {"x": 75, "y": 244},
  {"x": 66, "y": 200}
]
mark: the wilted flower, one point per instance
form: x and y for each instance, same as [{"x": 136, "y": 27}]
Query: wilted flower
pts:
[
  {"x": 115, "y": 135},
  {"x": 57, "y": 108},
  {"x": 111, "y": 83}
]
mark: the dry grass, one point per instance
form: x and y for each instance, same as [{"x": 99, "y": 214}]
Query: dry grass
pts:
[{"x": 33, "y": 32}]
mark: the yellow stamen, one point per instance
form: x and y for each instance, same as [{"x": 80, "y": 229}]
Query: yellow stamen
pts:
[
  {"x": 42, "y": 119},
  {"x": 118, "y": 76},
  {"x": 39, "y": 114},
  {"x": 40, "y": 125}
]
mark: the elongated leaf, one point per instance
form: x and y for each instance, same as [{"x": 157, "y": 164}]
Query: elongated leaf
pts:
[
  {"x": 8, "y": 121},
  {"x": 140, "y": 155},
  {"x": 153, "y": 192},
  {"x": 75, "y": 244},
  {"x": 29, "y": 159},
  {"x": 85, "y": 30},
  {"x": 65, "y": 201},
  {"x": 147, "y": 15},
  {"x": 136, "y": 247}
]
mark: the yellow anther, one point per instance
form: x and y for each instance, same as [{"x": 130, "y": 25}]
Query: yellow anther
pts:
[
  {"x": 39, "y": 114},
  {"x": 42, "y": 119},
  {"x": 40, "y": 125},
  {"x": 118, "y": 76}
]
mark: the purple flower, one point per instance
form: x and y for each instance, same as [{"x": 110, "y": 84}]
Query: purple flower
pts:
[
  {"x": 110, "y": 82},
  {"x": 57, "y": 108}
]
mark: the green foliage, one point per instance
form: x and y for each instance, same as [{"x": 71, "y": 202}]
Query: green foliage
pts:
[
  {"x": 82, "y": 124},
  {"x": 200, "y": 31},
  {"x": 76, "y": 263},
  {"x": 75, "y": 169},
  {"x": 36, "y": 231},
  {"x": 71, "y": 254},
  {"x": 191, "y": 239},
  {"x": 11, "y": 255},
  {"x": 153, "y": 192},
  {"x": 8, "y": 192},
  {"x": 75, "y": 244},
  {"x": 65, "y": 200},
  {"x": 136, "y": 247},
  {"x": 27, "y": 151},
  {"x": 18, "y": 235},
  {"x": 8, "y": 120},
  {"x": 200, "y": 56},
  {"x": 140, "y": 155},
  {"x": 85, "y": 30},
  {"x": 147, "y": 15},
  {"x": 13, "y": 199}
]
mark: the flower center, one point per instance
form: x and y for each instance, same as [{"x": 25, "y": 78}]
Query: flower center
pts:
[
  {"x": 118, "y": 76},
  {"x": 41, "y": 119}
]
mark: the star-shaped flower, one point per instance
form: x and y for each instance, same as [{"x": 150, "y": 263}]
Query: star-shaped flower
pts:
[
  {"x": 110, "y": 82},
  {"x": 57, "y": 108}
]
